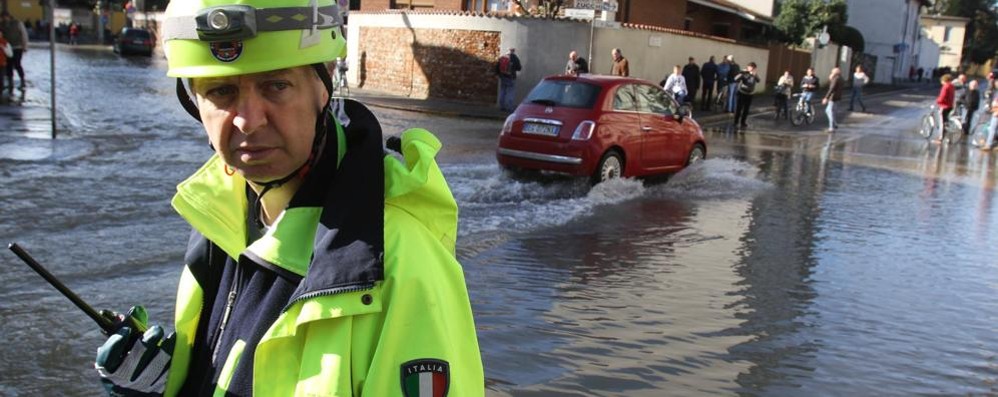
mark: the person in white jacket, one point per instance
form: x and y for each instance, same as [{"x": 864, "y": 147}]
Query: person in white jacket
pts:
[
  {"x": 859, "y": 79},
  {"x": 675, "y": 85}
]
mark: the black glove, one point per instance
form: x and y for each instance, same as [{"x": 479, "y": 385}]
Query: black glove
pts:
[{"x": 132, "y": 366}]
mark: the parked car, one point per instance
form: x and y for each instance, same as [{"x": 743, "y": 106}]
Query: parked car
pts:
[
  {"x": 601, "y": 127},
  {"x": 133, "y": 41}
]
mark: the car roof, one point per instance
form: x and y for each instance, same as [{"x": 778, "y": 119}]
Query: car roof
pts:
[{"x": 599, "y": 79}]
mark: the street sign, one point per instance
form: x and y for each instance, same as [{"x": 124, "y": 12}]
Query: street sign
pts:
[
  {"x": 606, "y": 24},
  {"x": 610, "y": 6},
  {"x": 580, "y": 13}
]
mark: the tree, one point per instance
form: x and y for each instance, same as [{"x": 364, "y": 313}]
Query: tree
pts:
[
  {"x": 981, "y": 40},
  {"x": 797, "y": 20},
  {"x": 792, "y": 21}
]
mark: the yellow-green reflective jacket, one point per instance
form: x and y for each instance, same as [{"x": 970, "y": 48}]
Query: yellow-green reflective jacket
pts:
[{"x": 354, "y": 291}]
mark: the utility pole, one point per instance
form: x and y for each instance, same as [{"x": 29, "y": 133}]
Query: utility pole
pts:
[{"x": 51, "y": 18}]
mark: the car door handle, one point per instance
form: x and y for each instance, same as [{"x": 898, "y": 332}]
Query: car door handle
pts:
[{"x": 646, "y": 128}]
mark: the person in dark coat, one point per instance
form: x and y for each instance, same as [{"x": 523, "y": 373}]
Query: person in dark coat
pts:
[
  {"x": 833, "y": 95},
  {"x": 972, "y": 99},
  {"x": 708, "y": 73},
  {"x": 691, "y": 72}
]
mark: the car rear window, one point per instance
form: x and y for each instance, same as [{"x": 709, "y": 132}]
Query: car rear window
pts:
[
  {"x": 564, "y": 93},
  {"x": 137, "y": 34}
]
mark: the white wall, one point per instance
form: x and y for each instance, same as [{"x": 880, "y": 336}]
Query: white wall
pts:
[
  {"x": 883, "y": 24},
  {"x": 651, "y": 54},
  {"x": 543, "y": 45}
]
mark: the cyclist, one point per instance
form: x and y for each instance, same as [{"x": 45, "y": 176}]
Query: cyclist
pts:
[
  {"x": 945, "y": 101},
  {"x": 809, "y": 84}
]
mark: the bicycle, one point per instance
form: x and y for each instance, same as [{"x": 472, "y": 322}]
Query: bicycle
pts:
[
  {"x": 930, "y": 125},
  {"x": 722, "y": 97},
  {"x": 979, "y": 134},
  {"x": 803, "y": 112}
]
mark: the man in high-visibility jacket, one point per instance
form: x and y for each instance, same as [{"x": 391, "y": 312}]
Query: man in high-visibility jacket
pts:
[{"x": 320, "y": 264}]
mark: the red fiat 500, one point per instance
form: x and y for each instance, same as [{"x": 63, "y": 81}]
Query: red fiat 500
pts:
[{"x": 602, "y": 127}]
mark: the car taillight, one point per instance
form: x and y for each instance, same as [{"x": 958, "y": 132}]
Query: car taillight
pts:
[
  {"x": 584, "y": 131},
  {"x": 507, "y": 126},
  {"x": 147, "y": 42}
]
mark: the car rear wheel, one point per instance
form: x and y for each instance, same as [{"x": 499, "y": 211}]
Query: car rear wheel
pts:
[
  {"x": 697, "y": 154},
  {"x": 610, "y": 166}
]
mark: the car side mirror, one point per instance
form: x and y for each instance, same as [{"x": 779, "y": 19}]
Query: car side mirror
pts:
[{"x": 684, "y": 112}]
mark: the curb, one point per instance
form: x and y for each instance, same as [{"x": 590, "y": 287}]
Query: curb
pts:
[
  {"x": 373, "y": 101},
  {"x": 710, "y": 119}
]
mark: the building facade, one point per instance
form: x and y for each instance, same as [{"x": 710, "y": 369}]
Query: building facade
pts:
[
  {"x": 941, "y": 43},
  {"x": 740, "y": 20},
  {"x": 890, "y": 29}
]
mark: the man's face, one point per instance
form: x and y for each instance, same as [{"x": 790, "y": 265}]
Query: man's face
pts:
[
  {"x": 572, "y": 56},
  {"x": 614, "y": 54},
  {"x": 750, "y": 68},
  {"x": 261, "y": 124}
]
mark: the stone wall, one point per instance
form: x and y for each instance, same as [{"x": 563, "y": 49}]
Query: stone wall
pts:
[{"x": 429, "y": 63}]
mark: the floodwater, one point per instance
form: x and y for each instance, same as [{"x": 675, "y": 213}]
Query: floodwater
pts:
[{"x": 789, "y": 263}]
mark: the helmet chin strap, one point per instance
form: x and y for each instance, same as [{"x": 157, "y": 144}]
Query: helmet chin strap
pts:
[{"x": 318, "y": 141}]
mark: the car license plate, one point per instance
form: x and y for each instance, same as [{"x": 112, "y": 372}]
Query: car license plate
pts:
[
  {"x": 137, "y": 41},
  {"x": 540, "y": 129}
]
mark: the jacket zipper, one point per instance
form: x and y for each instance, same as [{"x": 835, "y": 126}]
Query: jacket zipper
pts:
[
  {"x": 230, "y": 301},
  {"x": 329, "y": 292}
]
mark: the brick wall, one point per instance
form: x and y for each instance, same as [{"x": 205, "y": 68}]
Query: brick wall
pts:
[{"x": 430, "y": 63}]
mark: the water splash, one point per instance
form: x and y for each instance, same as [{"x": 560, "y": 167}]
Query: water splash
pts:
[
  {"x": 718, "y": 178},
  {"x": 492, "y": 201}
]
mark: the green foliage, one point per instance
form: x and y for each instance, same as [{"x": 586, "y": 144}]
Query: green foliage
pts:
[
  {"x": 792, "y": 21},
  {"x": 797, "y": 20}
]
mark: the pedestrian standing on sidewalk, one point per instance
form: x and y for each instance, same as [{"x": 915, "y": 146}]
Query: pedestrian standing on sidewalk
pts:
[
  {"x": 833, "y": 95},
  {"x": 675, "y": 85},
  {"x": 746, "y": 81},
  {"x": 506, "y": 68},
  {"x": 691, "y": 73},
  {"x": 74, "y": 33},
  {"x": 722, "y": 82},
  {"x": 708, "y": 73},
  {"x": 993, "y": 127},
  {"x": 733, "y": 72},
  {"x": 17, "y": 36},
  {"x": 989, "y": 93},
  {"x": 319, "y": 263},
  {"x": 945, "y": 101},
  {"x": 576, "y": 65},
  {"x": 859, "y": 79},
  {"x": 620, "y": 66},
  {"x": 784, "y": 88},
  {"x": 973, "y": 102},
  {"x": 921, "y": 72},
  {"x": 5, "y": 52}
]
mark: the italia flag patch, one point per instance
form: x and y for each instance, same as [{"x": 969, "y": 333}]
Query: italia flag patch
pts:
[{"x": 425, "y": 378}]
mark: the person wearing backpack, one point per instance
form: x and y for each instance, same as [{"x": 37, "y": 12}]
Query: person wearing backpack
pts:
[
  {"x": 506, "y": 68},
  {"x": 745, "y": 83}
]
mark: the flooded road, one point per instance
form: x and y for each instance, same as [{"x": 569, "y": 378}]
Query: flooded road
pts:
[{"x": 789, "y": 263}]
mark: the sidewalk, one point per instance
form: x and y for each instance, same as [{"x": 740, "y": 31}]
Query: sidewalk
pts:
[{"x": 763, "y": 103}]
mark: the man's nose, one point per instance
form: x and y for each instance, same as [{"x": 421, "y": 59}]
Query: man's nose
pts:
[{"x": 251, "y": 113}]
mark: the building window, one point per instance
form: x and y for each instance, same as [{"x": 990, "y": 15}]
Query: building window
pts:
[
  {"x": 688, "y": 24},
  {"x": 474, "y": 5},
  {"x": 720, "y": 29},
  {"x": 949, "y": 30}
]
